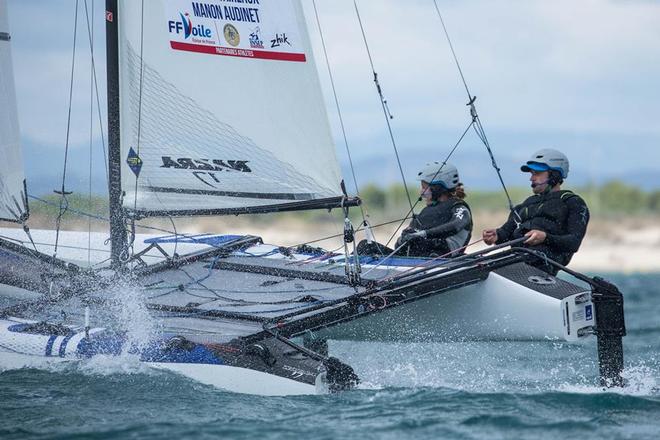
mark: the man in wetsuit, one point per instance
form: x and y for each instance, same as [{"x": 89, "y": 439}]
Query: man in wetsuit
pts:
[
  {"x": 553, "y": 220},
  {"x": 443, "y": 227}
]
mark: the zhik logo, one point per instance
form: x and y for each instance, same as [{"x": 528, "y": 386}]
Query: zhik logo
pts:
[{"x": 186, "y": 26}]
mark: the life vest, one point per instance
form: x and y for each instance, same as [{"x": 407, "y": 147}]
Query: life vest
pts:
[
  {"x": 545, "y": 212},
  {"x": 437, "y": 214}
]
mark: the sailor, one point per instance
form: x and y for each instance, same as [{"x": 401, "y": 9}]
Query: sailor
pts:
[
  {"x": 554, "y": 220},
  {"x": 443, "y": 227}
]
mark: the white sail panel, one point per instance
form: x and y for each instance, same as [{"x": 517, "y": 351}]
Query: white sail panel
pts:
[
  {"x": 13, "y": 205},
  {"x": 225, "y": 111}
]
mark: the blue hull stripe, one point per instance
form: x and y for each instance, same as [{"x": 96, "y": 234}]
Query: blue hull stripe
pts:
[
  {"x": 63, "y": 345},
  {"x": 49, "y": 345}
]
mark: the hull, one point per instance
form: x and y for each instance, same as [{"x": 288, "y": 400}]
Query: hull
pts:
[
  {"x": 226, "y": 378},
  {"x": 28, "y": 350},
  {"x": 494, "y": 309}
]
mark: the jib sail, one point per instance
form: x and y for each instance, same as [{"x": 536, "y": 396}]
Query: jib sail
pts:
[
  {"x": 221, "y": 109},
  {"x": 13, "y": 204}
]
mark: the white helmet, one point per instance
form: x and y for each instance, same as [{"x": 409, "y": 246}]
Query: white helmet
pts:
[
  {"x": 547, "y": 159},
  {"x": 436, "y": 173}
]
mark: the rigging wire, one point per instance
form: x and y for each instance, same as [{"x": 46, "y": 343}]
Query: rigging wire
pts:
[
  {"x": 64, "y": 203},
  {"x": 339, "y": 113},
  {"x": 444, "y": 162},
  {"x": 91, "y": 135},
  {"x": 96, "y": 86},
  {"x": 383, "y": 101},
  {"x": 478, "y": 127}
]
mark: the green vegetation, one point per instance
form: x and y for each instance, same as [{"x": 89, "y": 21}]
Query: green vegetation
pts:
[
  {"x": 96, "y": 205},
  {"x": 614, "y": 199}
]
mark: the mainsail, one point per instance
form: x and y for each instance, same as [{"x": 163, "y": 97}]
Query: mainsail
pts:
[
  {"x": 13, "y": 204},
  {"x": 221, "y": 109}
]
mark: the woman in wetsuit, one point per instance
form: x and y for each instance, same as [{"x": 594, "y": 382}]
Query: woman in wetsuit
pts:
[{"x": 443, "y": 227}]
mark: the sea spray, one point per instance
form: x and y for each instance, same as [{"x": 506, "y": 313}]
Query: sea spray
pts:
[
  {"x": 132, "y": 317},
  {"x": 127, "y": 314}
]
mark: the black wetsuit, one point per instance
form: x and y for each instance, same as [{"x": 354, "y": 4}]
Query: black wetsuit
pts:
[
  {"x": 448, "y": 227},
  {"x": 562, "y": 215}
]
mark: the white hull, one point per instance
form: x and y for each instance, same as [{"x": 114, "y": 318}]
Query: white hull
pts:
[
  {"x": 240, "y": 380},
  {"x": 233, "y": 379},
  {"x": 495, "y": 309},
  {"x": 21, "y": 350}
]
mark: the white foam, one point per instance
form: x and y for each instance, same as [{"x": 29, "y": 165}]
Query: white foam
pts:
[
  {"x": 131, "y": 316},
  {"x": 106, "y": 365}
]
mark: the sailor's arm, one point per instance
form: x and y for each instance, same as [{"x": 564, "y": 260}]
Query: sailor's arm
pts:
[
  {"x": 576, "y": 225},
  {"x": 505, "y": 232},
  {"x": 460, "y": 220}
]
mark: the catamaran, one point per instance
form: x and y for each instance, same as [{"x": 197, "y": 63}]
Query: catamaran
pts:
[{"x": 217, "y": 109}]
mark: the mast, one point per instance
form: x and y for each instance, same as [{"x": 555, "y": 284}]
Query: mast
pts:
[{"x": 117, "y": 230}]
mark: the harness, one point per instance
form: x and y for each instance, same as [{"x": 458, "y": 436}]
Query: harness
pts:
[{"x": 545, "y": 212}]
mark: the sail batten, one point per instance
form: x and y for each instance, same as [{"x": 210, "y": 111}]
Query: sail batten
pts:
[
  {"x": 13, "y": 197},
  {"x": 221, "y": 109}
]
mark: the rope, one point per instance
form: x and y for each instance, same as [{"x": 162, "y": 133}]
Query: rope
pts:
[
  {"x": 64, "y": 204},
  {"x": 482, "y": 135},
  {"x": 387, "y": 257},
  {"x": 383, "y": 101},
  {"x": 478, "y": 127},
  {"x": 426, "y": 263}
]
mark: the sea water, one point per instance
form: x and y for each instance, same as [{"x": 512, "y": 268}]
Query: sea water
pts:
[{"x": 489, "y": 390}]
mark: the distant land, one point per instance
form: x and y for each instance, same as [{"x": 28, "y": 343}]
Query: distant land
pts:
[{"x": 477, "y": 172}]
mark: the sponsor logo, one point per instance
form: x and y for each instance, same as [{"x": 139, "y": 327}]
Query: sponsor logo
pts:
[
  {"x": 205, "y": 170},
  {"x": 589, "y": 312},
  {"x": 279, "y": 40},
  {"x": 186, "y": 163},
  {"x": 186, "y": 27},
  {"x": 255, "y": 39},
  {"x": 231, "y": 35},
  {"x": 134, "y": 162}
]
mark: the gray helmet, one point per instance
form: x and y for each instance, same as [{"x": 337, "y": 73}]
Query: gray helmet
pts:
[
  {"x": 545, "y": 160},
  {"x": 434, "y": 173}
]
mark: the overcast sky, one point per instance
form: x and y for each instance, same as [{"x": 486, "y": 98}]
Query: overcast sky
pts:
[{"x": 581, "y": 76}]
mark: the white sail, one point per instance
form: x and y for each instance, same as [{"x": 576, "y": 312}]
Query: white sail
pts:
[
  {"x": 225, "y": 112},
  {"x": 13, "y": 205}
]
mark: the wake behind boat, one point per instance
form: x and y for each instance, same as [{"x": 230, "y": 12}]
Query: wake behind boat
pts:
[{"x": 230, "y": 310}]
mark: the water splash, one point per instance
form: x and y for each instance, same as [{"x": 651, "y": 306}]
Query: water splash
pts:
[
  {"x": 104, "y": 365},
  {"x": 131, "y": 316}
]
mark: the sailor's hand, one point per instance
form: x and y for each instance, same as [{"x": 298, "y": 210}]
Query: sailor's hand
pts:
[
  {"x": 489, "y": 236},
  {"x": 416, "y": 234},
  {"x": 535, "y": 237}
]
